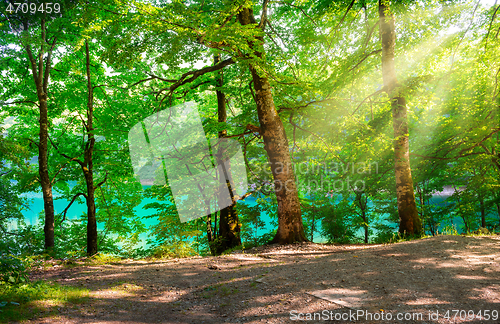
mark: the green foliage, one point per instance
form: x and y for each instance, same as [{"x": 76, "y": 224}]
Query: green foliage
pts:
[
  {"x": 234, "y": 249},
  {"x": 102, "y": 258},
  {"x": 260, "y": 240},
  {"x": 251, "y": 223},
  {"x": 13, "y": 269},
  {"x": 174, "y": 250},
  {"x": 323, "y": 61},
  {"x": 336, "y": 229},
  {"x": 449, "y": 230}
]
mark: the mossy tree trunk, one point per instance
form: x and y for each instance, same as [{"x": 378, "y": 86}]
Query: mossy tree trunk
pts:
[
  {"x": 408, "y": 215},
  {"x": 229, "y": 224},
  {"x": 290, "y": 227}
]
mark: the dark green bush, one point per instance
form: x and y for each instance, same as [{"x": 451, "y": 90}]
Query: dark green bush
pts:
[{"x": 13, "y": 269}]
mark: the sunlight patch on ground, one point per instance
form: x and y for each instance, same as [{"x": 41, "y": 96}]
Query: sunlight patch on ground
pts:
[
  {"x": 251, "y": 258},
  {"x": 426, "y": 302},
  {"x": 349, "y": 298},
  {"x": 472, "y": 277},
  {"x": 489, "y": 294},
  {"x": 190, "y": 274},
  {"x": 112, "y": 293},
  {"x": 47, "y": 303}
]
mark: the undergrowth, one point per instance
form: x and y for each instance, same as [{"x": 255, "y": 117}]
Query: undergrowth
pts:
[{"x": 37, "y": 299}]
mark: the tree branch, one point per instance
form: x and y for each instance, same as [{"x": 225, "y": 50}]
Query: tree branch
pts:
[
  {"x": 364, "y": 58},
  {"x": 193, "y": 75},
  {"x": 491, "y": 23},
  {"x": 66, "y": 156},
  {"x": 71, "y": 203},
  {"x": 19, "y": 102},
  {"x": 102, "y": 182}
]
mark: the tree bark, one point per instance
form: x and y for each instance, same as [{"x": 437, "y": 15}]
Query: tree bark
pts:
[
  {"x": 498, "y": 212},
  {"x": 41, "y": 79},
  {"x": 290, "y": 227},
  {"x": 312, "y": 224},
  {"x": 229, "y": 224},
  {"x": 483, "y": 211},
  {"x": 408, "y": 215},
  {"x": 88, "y": 163},
  {"x": 210, "y": 237}
]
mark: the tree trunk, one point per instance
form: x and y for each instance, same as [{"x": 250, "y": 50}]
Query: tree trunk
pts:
[
  {"x": 41, "y": 79},
  {"x": 88, "y": 164},
  {"x": 366, "y": 233},
  {"x": 210, "y": 236},
  {"x": 290, "y": 227},
  {"x": 312, "y": 224},
  {"x": 498, "y": 212},
  {"x": 359, "y": 197},
  {"x": 409, "y": 221},
  {"x": 43, "y": 171},
  {"x": 483, "y": 211},
  {"x": 229, "y": 224}
]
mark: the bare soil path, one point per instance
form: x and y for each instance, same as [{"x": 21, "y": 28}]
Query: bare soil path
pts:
[{"x": 279, "y": 284}]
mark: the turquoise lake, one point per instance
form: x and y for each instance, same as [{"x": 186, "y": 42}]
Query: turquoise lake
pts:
[{"x": 36, "y": 207}]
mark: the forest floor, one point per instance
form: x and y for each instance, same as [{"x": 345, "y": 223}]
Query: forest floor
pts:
[{"x": 442, "y": 279}]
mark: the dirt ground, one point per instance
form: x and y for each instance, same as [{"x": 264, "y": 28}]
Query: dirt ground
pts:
[{"x": 443, "y": 279}]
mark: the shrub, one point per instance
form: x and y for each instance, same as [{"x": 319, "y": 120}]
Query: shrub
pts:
[
  {"x": 173, "y": 250},
  {"x": 13, "y": 270}
]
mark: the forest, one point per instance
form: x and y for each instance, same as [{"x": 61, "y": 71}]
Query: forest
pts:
[{"x": 166, "y": 129}]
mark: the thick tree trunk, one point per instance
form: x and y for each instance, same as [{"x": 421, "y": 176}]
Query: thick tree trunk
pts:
[
  {"x": 88, "y": 164},
  {"x": 407, "y": 209},
  {"x": 41, "y": 78},
  {"x": 290, "y": 227},
  {"x": 229, "y": 224}
]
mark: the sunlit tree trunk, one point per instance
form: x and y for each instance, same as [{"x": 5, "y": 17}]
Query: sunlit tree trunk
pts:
[
  {"x": 407, "y": 209},
  {"x": 290, "y": 227},
  {"x": 41, "y": 78},
  {"x": 229, "y": 224}
]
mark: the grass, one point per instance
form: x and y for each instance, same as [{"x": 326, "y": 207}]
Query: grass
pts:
[
  {"x": 36, "y": 299},
  {"x": 102, "y": 258}
]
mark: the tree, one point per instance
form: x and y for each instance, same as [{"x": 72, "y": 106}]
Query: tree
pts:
[
  {"x": 290, "y": 227},
  {"x": 194, "y": 25},
  {"x": 41, "y": 79},
  {"x": 87, "y": 164},
  {"x": 229, "y": 224},
  {"x": 407, "y": 209},
  {"x": 37, "y": 35}
]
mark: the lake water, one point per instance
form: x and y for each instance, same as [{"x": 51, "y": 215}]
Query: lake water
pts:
[{"x": 77, "y": 209}]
